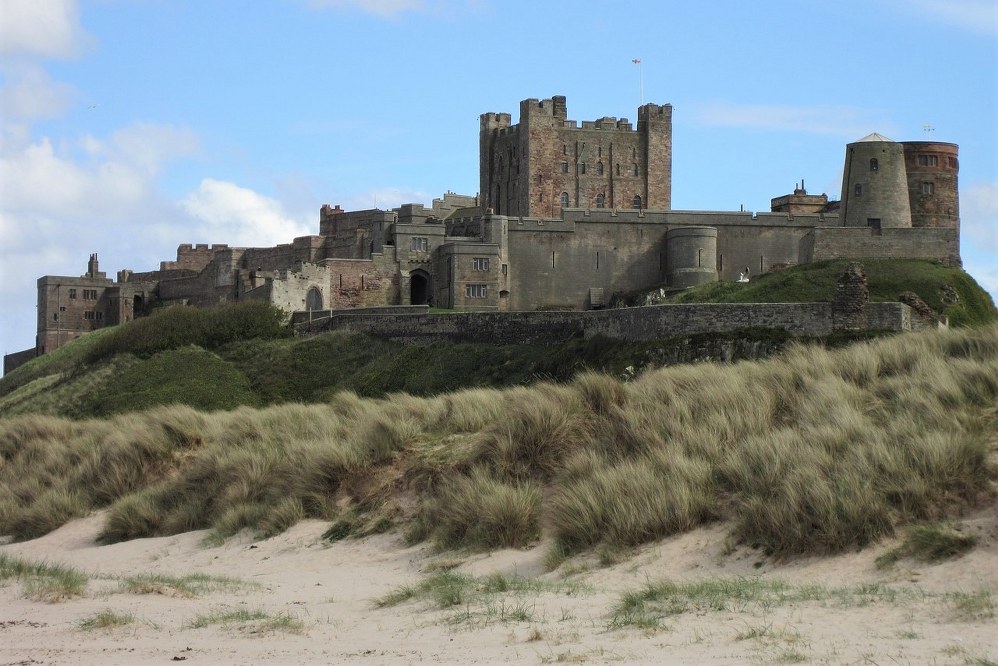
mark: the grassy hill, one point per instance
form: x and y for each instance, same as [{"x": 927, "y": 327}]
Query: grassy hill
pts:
[
  {"x": 243, "y": 355},
  {"x": 817, "y": 451}
]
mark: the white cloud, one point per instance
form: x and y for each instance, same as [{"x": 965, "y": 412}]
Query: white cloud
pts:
[
  {"x": 848, "y": 122},
  {"x": 241, "y": 216},
  {"x": 28, "y": 93},
  {"x": 979, "y": 16},
  {"x": 47, "y": 28},
  {"x": 979, "y": 216}
]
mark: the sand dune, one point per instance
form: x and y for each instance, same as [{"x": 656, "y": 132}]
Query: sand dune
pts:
[{"x": 317, "y": 604}]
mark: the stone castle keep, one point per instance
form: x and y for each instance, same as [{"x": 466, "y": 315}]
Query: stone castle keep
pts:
[{"x": 566, "y": 216}]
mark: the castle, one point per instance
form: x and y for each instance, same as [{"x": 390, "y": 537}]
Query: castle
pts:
[{"x": 566, "y": 216}]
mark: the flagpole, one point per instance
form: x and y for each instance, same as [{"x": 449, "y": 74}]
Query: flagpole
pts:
[{"x": 641, "y": 79}]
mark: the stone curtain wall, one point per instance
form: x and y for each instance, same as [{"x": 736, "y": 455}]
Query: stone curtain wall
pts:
[{"x": 642, "y": 323}]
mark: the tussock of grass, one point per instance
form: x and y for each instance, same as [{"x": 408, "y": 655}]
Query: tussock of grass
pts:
[
  {"x": 820, "y": 451},
  {"x": 255, "y": 621},
  {"x": 44, "y": 582},
  {"x": 105, "y": 619},
  {"x": 191, "y": 585},
  {"x": 929, "y": 543},
  {"x": 647, "y": 607}
]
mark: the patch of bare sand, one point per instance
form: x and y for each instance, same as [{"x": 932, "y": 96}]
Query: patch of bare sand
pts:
[{"x": 929, "y": 614}]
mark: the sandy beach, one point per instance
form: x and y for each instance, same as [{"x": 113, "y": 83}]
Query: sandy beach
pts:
[{"x": 296, "y": 598}]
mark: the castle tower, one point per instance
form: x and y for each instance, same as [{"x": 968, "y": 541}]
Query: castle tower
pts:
[
  {"x": 933, "y": 194},
  {"x": 547, "y": 162},
  {"x": 874, "y": 185}
]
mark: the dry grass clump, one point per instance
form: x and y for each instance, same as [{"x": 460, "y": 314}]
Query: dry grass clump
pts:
[{"x": 818, "y": 451}]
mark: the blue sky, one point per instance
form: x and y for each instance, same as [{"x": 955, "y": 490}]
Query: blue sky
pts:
[{"x": 131, "y": 126}]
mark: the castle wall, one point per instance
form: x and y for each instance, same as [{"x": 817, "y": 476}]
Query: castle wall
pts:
[
  {"x": 863, "y": 243},
  {"x": 357, "y": 283},
  {"x": 636, "y": 324},
  {"x": 69, "y": 307},
  {"x": 193, "y": 257}
]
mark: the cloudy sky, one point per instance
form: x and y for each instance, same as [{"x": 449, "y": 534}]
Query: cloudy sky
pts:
[{"x": 132, "y": 126}]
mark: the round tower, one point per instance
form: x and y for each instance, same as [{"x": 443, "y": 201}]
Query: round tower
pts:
[
  {"x": 691, "y": 256},
  {"x": 874, "y": 185},
  {"x": 933, "y": 194}
]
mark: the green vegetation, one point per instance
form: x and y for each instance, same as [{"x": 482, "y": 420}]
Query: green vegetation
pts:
[
  {"x": 255, "y": 621},
  {"x": 483, "y": 601},
  {"x": 106, "y": 619},
  {"x": 191, "y": 585},
  {"x": 819, "y": 451},
  {"x": 241, "y": 354},
  {"x": 929, "y": 543},
  {"x": 45, "y": 582},
  {"x": 948, "y": 291}
]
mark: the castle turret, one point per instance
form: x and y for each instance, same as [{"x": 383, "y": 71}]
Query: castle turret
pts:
[
  {"x": 932, "y": 169},
  {"x": 874, "y": 185}
]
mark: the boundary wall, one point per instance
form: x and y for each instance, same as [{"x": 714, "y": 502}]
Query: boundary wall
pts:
[{"x": 653, "y": 322}]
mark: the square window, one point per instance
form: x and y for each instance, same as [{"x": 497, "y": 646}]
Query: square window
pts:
[
  {"x": 476, "y": 291},
  {"x": 480, "y": 263},
  {"x": 564, "y": 167},
  {"x": 419, "y": 244},
  {"x": 72, "y": 293},
  {"x": 928, "y": 188}
]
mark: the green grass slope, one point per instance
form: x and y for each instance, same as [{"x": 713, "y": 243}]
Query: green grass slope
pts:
[
  {"x": 242, "y": 355},
  {"x": 818, "y": 451},
  {"x": 886, "y": 280}
]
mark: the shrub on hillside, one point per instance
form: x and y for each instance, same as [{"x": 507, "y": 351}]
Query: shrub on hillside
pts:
[{"x": 180, "y": 326}]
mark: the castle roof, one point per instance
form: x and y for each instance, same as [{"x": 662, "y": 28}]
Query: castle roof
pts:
[{"x": 875, "y": 137}]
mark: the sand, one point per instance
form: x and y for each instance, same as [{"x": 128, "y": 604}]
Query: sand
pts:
[{"x": 920, "y": 614}]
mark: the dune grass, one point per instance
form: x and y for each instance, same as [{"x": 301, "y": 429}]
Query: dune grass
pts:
[
  {"x": 105, "y": 619},
  {"x": 256, "y": 621},
  {"x": 42, "y": 581},
  {"x": 819, "y": 451}
]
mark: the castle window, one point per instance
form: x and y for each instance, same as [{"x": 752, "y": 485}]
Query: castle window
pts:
[
  {"x": 582, "y": 167},
  {"x": 951, "y": 162},
  {"x": 928, "y": 160},
  {"x": 72, "y": 293},
  {"x": 858, "y": 190},
  {"x": 634, "y": 153},
  {"x": 928, "y": 188},
  {"x": 618, "y": 168},
  {"x": 564, "y": 199},
  {"x": 636, "y": 202},
  {"x": 480, "y": 263},
  {"x": 419, "y": 244},
  {"x": 564, "y": 149},
  {"x": 90, "y": 294},
  {"x": 634, "y": 169},
  {"x": 564, "y": 167},
  {"x": 599, "y": 168},
  {"x": 476, "y": 291},
  {"x": 874, "y": 164},
  {"x": 600, "y": 201},
  {"x": 505, "y": 269},
  {"x": 599, "y": 151}
]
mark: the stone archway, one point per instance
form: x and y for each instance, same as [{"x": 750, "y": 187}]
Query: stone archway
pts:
[
  {"x": 313, "y": 299},
  {"x": 419, "y": 288}
]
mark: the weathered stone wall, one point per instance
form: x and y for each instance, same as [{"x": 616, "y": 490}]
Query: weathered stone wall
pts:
[
  {"x": 865, "y": 243},
  {"x": 17, "y": 359},
  {"x": 525, "y": 169},
  {"x": 357, "y": 283},
  {"x": 643, "y": 323},
  {"x": 932, "y": 168},
  {"x": 193, "y": 257}
]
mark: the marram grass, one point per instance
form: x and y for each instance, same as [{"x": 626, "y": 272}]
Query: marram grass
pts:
[{"x": 818, "y": 451}]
